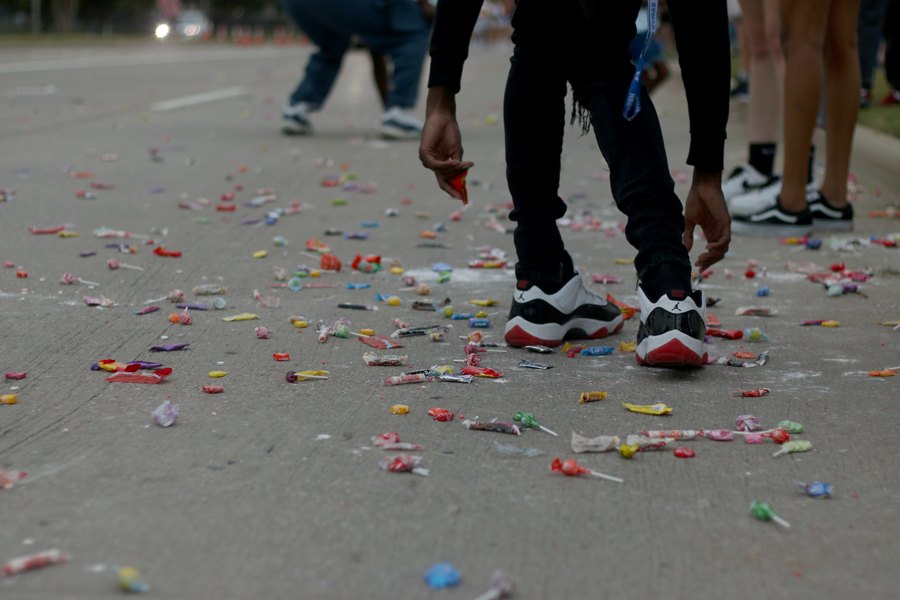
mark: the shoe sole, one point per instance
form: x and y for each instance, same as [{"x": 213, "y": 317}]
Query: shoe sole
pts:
[
  {"x": 767, "y": 230},
  {"x": 294, "y": 129},
  {"x": 671, "y": 349},
  {"x": 395, "y": 133},
  {"x": 520, "y": 332},
  {"x": 832, "y": 225}
]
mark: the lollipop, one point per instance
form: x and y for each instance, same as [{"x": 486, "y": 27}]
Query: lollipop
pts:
[
  {"x": 502, "y": 586},
  {"x": 572, "y": 468},
  {"x": 528, "y": 420},
  {"x": 798, "y": 446},
  {"x": 764, "y": 512}
]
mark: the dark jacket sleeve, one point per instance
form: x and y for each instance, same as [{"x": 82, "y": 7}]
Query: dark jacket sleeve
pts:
[
  {"x": 453, "y": 26},
  {"x": 701, "y": 35}
]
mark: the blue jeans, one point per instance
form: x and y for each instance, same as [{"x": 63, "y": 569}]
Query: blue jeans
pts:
[{"x": 396, "y": 28}]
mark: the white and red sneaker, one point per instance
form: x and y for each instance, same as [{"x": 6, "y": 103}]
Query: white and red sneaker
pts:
[
  {"x": 574, "y": 312},
  {"x": 672, "y": 329}
]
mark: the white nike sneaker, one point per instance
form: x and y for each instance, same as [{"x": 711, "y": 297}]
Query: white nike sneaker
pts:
[
  {"x": 672, "y": 329},
  {"x": 296, "y": 118},
  {"x": 574, "y": 312},
  {"x": 400, "y": 124},
  {"x": 743, "y": 180}
]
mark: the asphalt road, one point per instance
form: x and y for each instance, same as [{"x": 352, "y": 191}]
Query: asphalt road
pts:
[{"x": 272, "y": 489}]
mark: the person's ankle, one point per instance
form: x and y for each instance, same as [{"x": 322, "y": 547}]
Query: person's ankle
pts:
[
  {"x": 834, "y": 199},
  {"x": 791, "y": 203}
]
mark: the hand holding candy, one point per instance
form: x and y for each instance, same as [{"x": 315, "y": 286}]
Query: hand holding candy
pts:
[{"x": 572, "y": 468}]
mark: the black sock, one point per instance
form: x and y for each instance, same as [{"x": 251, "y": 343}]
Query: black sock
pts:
[
  {"x": 666, "y": 277},
  {"x": 553, "y": 285},
  {"x": 812, "y": 164},
  {"x": 762, "y": 157}
]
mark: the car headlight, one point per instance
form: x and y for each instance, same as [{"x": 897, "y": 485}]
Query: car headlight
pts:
[{"x": 162, "y": 30}]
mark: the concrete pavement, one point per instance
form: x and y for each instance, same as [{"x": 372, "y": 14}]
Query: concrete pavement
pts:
[{"x": 246, "y": 496}]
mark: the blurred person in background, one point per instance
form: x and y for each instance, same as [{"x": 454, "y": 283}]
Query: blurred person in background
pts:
[
  {"x": 398, "y": 29},
  {"x": 819, "y": 35},
  {"x": 877, "y": 18},
  {"x": 747, "y": 188}
]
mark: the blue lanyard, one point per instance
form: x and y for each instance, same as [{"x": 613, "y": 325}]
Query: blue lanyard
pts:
[{"x": 633, "y": 102}]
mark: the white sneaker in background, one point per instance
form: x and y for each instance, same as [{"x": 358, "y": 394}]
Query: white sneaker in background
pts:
[{"x": 400, "y": 124}]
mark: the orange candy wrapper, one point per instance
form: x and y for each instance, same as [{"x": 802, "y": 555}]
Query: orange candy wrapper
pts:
[{"x": 458, "y": 183}]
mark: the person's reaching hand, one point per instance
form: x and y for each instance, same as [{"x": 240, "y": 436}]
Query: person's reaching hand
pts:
[
  {"x": 441, "y": 147},
  {"x": 706, "y": 207}
]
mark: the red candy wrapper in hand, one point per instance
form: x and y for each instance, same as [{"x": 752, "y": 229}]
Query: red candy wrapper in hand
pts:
[{"x": 458, "y": 183}]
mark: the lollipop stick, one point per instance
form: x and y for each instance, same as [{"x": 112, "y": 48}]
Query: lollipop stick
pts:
[
  {"x": 86, "y": 282},
  {"x": 156, "y": 300},
  {"x": 491, "y": 594},
  {"x": 301, "y": 377},
  {"x": 609, "y": 477},
  {"x": 132, "y": 267},
  {"x": 781, "y": 521},
  {"x": 544, "y": 429}
]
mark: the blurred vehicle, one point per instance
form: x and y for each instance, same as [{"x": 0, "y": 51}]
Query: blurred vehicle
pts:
[{"x": 188, "y": 25}]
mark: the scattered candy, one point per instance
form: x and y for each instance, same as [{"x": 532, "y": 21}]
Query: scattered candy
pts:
[
  {"x": 496, "y": 427},
  {"x": 790, "y": 427},
  {"x": 213, "y": 389},
  {"x": 8, "y": 479},
  {"x": 441, "y": 576},
  {"x": 816, "y": 489},
  {"x": 440, "y": 414},
  {"x": 747, "y": 423},
  {"x": 764, "y": 512},
  {"x": 682, "y": 452},
  {"x": 797, "y": 446},
  {"x": 572, "y": 468},
  {"x": 404, "y": 464},
  {"x": 592, "y": 397},
  {"x": 399, "y": 409},
  {"x": 602, "y": 443},
  {"x": 653, "y": 409},
  {"x": 34, "y": 561},
  {"x": 757, "y": 393},
  {"x": 165, "y": 414},
  {"x": 130, "y": 581}
]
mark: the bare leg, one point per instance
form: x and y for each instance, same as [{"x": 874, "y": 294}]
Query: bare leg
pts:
[
  {"x": 804, "y": 24},
  {"x": 762, "y": 35},
  {"x": 842, "y": 79}
]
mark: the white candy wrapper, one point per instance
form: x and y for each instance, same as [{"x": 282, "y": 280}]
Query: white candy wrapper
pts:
[{"x": 603, "y": 443}]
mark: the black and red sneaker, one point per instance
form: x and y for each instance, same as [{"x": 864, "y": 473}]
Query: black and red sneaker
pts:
[
  {"x": 672, "y": 329},
  {"x": 574, "y": 312}
]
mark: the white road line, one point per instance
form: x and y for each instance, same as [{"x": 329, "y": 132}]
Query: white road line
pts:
[
  {"x": 89, "y": 62},
  {"x": 185, "y": 101}
]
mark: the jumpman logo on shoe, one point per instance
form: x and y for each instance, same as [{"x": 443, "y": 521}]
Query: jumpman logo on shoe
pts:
[
  {"x": 521, "y": 296},
  {"x": 676, "y": 308}
]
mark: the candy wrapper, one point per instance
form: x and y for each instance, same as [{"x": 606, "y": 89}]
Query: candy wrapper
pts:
[
  {"x": 473, "y": 360},
  {"x": 676, "y": 434},
  {"x": 441, "y": 576},
  {"x": 481, "y": 372},
  {"x": 684, "y": 453},
  {"x": 458, "y": 183},
  {"x": 755, "y": 334},
  {"x": 391, "y": 441},
  {"x": 130, "y": 581},
  {"x": 496, "y": 427},
  {"x": 779, "y": 436},
  {"x": 151, "y": 377},
  {"x": 592, "y": 397},
  {"x": 653, "y": 409},
  {"x": 645, "y": 444},
  {"x": 241, "y": 317},
  {"x": 757, "y": 393},
  {"x": 719, "y": 435},
  {"x": 34, "y": 561},
  {"x": 9, "y": 399},
  {"x": 598, "y": 351},
  {"x": 213, "y": 389},
  {"x": 502, "y": 586},
  {"x": 538, "y": 349},
  {"x": 796, "y": 446},
  {"x": 8, "y": 479},
  {"x": 528, "y": 420},
  {"x": 790, "y": 427},
  {"x": 528, "y": 364},
  {"x": 816, "y": 489},
  {"x": 263, "y": 333},
  {"x": 373, "y": 360},
  {"x": 380, "y": 342},
  {"x": 185, "y": 318},
  {"x": 456, "y": 378},
  {"x": 755, "y": 311},
  {"x": 169, "y": 347},
  {"x": 725, "y": 333},
  {"x": 602, "y": 443},
  {"x": 747, "y": 423},
  {"x": 99, "y": 301},
  {"x": 760, "y": 361},
  {"x": 165, "y": 414},
  {"x": 399, "y": 409},
  {"x": 440, "y": 414},
  {"x": 572, "y": 468},
  {"x": 516, "y": 451},
  {"x": 403, "y": 464},
  {"x": 408, "y": 378},
  {"x": 16, "y": 375}
]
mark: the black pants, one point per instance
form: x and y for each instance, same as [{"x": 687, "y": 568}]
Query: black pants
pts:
[{"x": 560, "y": 46}]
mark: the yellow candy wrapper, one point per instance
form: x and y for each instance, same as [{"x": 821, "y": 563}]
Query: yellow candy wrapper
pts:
[
  {"x": 831, "y": 324},
  {"x": 484, "y": 302},
  {"x": 627, "y": 451},
  {"x": 241, "y": 317},
  {"x": 218, "y": 373},
  {"x": 628, "y": 346},
  {"x": 260, "y": 254},
  {"x": 399, "y": 409},
  {"x": 592, "y": 397},
  {"x": 9, "y": 398},
  {"x": 301, "y": 375},
  {"x": 653, "y": 409}
]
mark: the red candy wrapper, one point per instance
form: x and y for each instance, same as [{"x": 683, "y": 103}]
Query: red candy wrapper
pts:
[
  {"x": 16, "y": 375},
  {"x": 403, "y": 464},
  {"x": 440, "y": 414},
  {"x": 458, "y": 183},
  {"x": 141, "y": 377},
  {"x": 480, "y": 371},
  {"x": 724, "y": 333},
  {"x": 213, "y": 389},
  {"x": 391, "y": 441},
  {"x": 752, "y": 393},
  {"x": 10, "y": 478},
  {"x": 34, "y": 561},
  {"x": 163, "y": 252},
  {"x": 684, "y": 453}
]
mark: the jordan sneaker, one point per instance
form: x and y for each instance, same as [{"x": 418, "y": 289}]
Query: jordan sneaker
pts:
[
  {"x": 672, "y": 329},
  {"x": 574, "y": 312}
]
